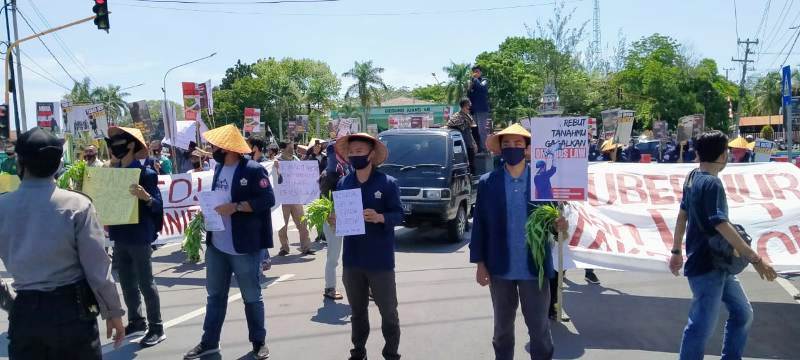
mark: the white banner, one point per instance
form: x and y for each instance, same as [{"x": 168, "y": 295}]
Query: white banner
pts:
[
  {"x": 629, "y": 220},
  {"x": 299, "y": 183}
]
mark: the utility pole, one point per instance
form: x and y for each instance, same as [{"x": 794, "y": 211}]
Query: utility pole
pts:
[
  {"x": 745, "y": 61},
  {"x": 726, "y": 72},
  {"x": 18, "y": 85},
  {"x": 12, "y": 76}
]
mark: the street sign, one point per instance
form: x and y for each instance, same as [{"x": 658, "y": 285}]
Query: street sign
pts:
[{"x": 786, "y": 85}]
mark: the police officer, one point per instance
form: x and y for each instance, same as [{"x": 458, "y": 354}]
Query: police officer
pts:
[{"x": 61, "y": 272}]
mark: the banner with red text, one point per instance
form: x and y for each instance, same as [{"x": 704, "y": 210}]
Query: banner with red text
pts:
[{"x": 629, "y": 219}]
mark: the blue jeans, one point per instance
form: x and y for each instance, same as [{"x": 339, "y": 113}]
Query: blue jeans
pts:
[
  {"x": 219, "y": 268},
  {"x": 709, "y": 291}
]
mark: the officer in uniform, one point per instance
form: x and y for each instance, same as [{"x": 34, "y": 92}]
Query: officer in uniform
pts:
[{"x": 61, "y": 272}]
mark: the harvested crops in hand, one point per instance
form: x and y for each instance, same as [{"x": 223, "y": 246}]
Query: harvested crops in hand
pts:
[
  {"x": 72, "y": 179},
  {"x": 318, "y": 212},
  {"x": 193, "y": 238},
  {"x": 537, "y": 234}
]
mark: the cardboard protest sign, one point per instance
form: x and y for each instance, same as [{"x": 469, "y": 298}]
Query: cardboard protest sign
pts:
[
  {"x": 559, "y": 158},
  {"x": 622, "y": 135},
  {"x": 629, "y": 219},
  {"x": 87, "y": 120},
  {"x": 209, "y": 201},
  {"x": 191, "y": 101},
  {"x": 47, "y": 114},
  {"x": 685, "y": 128},
  {"x": 298, "y": 182},
  {"x": 140, "y": 113},
  {"x": 660, "y": 130},
  {"x": 763, "y": 150},
  {"x": 252, "y": 120},
  {"x": 592, "y": 127},
  {"x": 349, "y": 212},
  {"x": 9, "y": 183},
  {"x": 610, "y": 118},
  {"x": 698, "y": 125},
  {"x": 186, "y": 131},
  {"x": 109, "y": 189}
]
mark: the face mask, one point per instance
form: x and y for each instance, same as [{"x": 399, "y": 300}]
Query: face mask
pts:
[
  {"x": 219, "y": 156},
  {"x": 359, "y": 162},
  {"x": 119, "y": 151},
  {"x": 513, "y": 156}
]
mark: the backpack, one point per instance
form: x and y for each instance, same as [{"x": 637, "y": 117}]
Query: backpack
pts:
[{"x": 723, "y": 255}]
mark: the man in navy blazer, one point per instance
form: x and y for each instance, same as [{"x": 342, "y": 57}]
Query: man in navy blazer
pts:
[
  {"x": 499, "y": 247},
  {"x": 237, "y": 249}
]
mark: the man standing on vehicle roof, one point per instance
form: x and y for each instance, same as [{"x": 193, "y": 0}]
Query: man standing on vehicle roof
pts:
[{"x": 478, "y": 94}]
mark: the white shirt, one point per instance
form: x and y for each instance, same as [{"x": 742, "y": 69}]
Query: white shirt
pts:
[{"x": 223, "y": 240}]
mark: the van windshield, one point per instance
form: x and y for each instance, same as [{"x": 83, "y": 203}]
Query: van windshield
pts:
[{"x": 407, "y": 150}]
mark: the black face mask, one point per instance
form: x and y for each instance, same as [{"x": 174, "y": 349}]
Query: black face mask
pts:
[
  {"x": 119, "y": 151},
  {"x": 513, "y": 156},
  {"x": 219, "y": 156},
  {"x": 359, "y": 162}
]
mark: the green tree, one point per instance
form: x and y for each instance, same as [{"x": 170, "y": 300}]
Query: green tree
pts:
[
  {"x": 436, "y": 93},
  {"x": 81, "y": 92},
  {"x": 767, "y": 132},
  {"x": 767, "y": 94},
  {"x": 458, "y": 76},
  {"x": 234, "y": 73},
  {"x": 392, "y": 92},
  {"x": 112, "y": 99},
  {"x": 367, "y": 88}
]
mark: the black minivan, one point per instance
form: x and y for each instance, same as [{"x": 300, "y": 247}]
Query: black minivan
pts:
[{"x": 433, "y": 173}]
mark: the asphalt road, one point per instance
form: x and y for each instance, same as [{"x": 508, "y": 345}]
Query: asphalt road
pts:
[{"x": 445, "y": 315}]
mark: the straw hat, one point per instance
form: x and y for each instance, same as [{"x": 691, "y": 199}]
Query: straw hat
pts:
[
  {"x": 609, "y": 145},
  {"x": 136, "y": 133},
  {"x": 314, "y": 141},
  {"x": 380, "y": 150},
  {"x": 493, "y": 142},
  {"x": 228, "y": 137},
  {"x": 738, "y": 143}
]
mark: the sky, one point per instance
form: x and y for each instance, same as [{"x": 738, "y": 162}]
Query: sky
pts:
[{"x": 410, "y": 39}]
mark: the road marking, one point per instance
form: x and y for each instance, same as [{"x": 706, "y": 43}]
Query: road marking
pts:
[
  {"x": 191, "y": 315},
  {"x": 789, "y": 287}
]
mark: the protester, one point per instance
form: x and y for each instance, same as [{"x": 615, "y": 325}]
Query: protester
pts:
[
  {"x": 295, "y": 211},
  {"x": 316, "y": 153},
  {"x": 164, "y": 163},
  {"x": 9, "y": 165},
  {"x": 61, "y": 272},
  {"x": 463, "y": 122},
  {"x": 369, "y": 258},
  {"x": 237, "y": 250},
  {"x": 259, "y": 148},
  {"x": 132, "y": 242},
  {"x": 327, "y": 183},
  {"x": 611, "y": 152},
  {"x": 196, "y": 159},
  {"x": 704, "y": 207},
  {"x": 500, "y": 250},
  {"x": 478, "y": 94},
  {"x": 632, "y": 154},
  {"x": 594, "y": 151},
  {"x": 90, "y": 156}
]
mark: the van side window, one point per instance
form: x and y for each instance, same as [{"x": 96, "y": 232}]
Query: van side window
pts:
[{"x": 459, "y": 152}]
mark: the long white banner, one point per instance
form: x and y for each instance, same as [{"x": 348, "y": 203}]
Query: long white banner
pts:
[{"x": 629, "y": 219}]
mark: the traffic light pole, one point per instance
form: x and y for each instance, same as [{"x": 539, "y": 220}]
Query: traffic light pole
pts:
[
  {"x": 18, "y": 81},
  {"x": 16, "y": 109},
  {"x": 14, "y": 45}
]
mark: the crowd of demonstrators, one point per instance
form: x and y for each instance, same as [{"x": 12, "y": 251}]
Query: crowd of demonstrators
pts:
[
  {"x": 132, "y": 242},
  {"x": 293, "y": 211},
  {"x": 239, "y": 248},
  {"x": 9, "y": 165}
]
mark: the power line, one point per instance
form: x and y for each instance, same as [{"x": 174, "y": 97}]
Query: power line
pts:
[
  {"x": 772, "y": 34},
  {"x": 234, "y": 2},
  {"x": 46, "y": 78},
  {"x": 61, "y": 42},
  {"x": 46, "y": 47},
  {"x": 736, "y": 19},
  {"x": 791, "y": 48},
  {"x": 392, "y": 13},
  {"x": 32, "y": 60}
]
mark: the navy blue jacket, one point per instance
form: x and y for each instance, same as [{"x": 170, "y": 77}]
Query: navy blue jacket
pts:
[
  {"x": 252, "y": 231},
  {"x": 489, "y": 244},
  {"x": 151, "y": 218},
  {"x": 374, "y": 251},
  {"x": 479, "y": 96}
]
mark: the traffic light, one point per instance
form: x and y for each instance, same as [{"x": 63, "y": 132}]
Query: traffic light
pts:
[
  {"x": 101, "y": 11},
  {"x": 5, "y": 125}
]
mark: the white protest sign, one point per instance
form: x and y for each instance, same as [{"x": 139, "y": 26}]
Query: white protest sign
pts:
[
  {"x": 763, "y": 150},
  {"x": 186, "y": 131},
  {"x": 349, "y": 212},
  {"x": 209, "y": 200},
  {"x": 298, "y": 182},
  {"x": 624, "y": 128},
  {"x": 629, "y": 220},
  {"x": 559, "y": 158}
]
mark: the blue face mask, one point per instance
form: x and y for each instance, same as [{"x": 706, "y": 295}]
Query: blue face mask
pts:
[
  {"x": 512, "y": 156},
  {"x": 359, "y": 162}
]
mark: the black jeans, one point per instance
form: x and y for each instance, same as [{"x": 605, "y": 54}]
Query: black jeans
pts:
[
  {"x": 507, "y": 295},
  {"x": 51, "y": 325},
  {"x": 357, "y": 284},
  {"x": 136, "y": 279}
]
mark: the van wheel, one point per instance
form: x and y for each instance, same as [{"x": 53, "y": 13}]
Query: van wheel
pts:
[{"x": 457, "y": 226}]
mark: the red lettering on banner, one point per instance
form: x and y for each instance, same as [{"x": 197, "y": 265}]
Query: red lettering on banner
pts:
[
  {"x": 764, "y": 239},
  {"x": 624, "y": 189},
  {"x": 773, "y": 211},
  {"x": 174, "y": 221},
  {"x": 677, "y": 185},
  {"x": 172, "y": 191},
  {"x": 600, "y": 240},
  {"x": 592, "y": 192},
  {"x": 663, "y": 228},
  {"x": 730, "y": 189},
  {"x": 792, "y": 187},
  {"x": 795, "y": 234},
  {"x": 610, "y": 186},
  {"x": 199, "y": 188},
  {"x": 766, "y": 194},
  {"x": 655, "y": 196}
]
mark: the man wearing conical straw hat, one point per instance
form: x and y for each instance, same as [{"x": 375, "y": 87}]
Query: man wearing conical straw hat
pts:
[
  {"x": 132, "y": 243},
  {"x": 499, "y": 247},
  {"x": 237, "y": 249}
]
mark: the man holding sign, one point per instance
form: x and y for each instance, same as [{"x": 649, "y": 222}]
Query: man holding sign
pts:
[
  {"x": 369, "y": 254},
  {"x": 237, "y": 248}
]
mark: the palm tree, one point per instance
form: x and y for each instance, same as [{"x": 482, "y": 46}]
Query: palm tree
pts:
[
  {"x": 456, "y": 87},
  {"x": 112, "y": 99},
  {"x": 767, "y": 99},
  {"x": 368, "y": 86},
  {"x": 81, "y": 92}
]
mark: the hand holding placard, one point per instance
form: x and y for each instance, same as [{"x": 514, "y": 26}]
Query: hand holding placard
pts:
[
  {"x": 349, "y": 212},
  {"x": 209, "y": 200}
]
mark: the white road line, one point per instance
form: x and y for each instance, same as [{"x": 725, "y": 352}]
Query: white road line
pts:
[
  {"x": 789, "y": 287},
  {"x": 200, "y": 311}
]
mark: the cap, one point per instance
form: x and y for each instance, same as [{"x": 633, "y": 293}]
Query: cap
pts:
[{"x": 38, "y": 142}]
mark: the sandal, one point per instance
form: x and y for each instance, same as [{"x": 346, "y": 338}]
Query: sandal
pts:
[{"x": 332, "y": 294}]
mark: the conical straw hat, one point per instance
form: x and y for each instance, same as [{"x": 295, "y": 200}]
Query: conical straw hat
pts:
[
  {"x": 738, "y": 143},
  {"x": 381, "y": 152},
  {"x": 228, "y": 137},
  {"x": 136, "y": 133},
  {"x": 493, "y": 142}
]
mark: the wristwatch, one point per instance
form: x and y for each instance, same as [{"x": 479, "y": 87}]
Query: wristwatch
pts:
[
  {"x": 675, "y": 251},
  {"x": 239, "y": 207}
]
